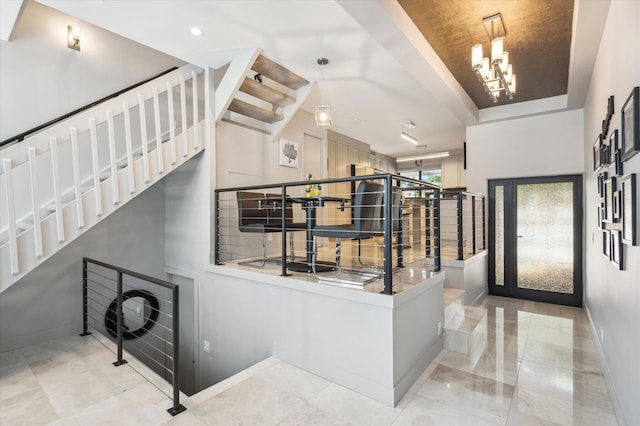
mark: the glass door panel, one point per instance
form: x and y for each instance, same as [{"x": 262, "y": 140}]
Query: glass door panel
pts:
[
  {"x": 499, "y": 235},
  {"x": 545, "y": 237}
]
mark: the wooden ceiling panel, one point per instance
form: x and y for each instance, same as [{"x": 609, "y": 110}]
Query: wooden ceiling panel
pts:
[{"x": 538, "y": 41}]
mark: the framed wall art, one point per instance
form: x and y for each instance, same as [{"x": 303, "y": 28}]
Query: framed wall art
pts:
[
  {"x": 616, "y": 249},
  {"x": 628, "y": 209},
  {"x": 597, "y": 154},
  {"x": 609, "y": 189},
  {"x": 289, "y": 153},
  {"x": 630, "y": 129},
  {"x": 616, "y": 206},
  {"x": 602, "y": 177},
  {"x": 606, "y": 244}
]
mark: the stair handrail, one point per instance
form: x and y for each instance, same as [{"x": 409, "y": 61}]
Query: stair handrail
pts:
[
  {"x": 60, "y": 131},
  {"x": 177, "y": 408},
  {"x": 20, "y": 137}
]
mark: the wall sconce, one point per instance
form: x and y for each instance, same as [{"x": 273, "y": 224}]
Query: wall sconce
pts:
[{"x": 73, "y": 37}]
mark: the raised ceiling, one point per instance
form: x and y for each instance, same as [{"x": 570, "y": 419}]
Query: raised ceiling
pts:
[{"x": 538, "y": 39}]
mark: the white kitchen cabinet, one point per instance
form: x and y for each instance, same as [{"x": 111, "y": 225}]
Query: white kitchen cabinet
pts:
[{"x": 453, "y": 173}]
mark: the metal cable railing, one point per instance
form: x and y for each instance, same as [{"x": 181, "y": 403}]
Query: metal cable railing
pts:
[
  {"x": 362, "y": 215},
  {"x": 120, "y": 303},
  {"x": 463, "y": 224}
]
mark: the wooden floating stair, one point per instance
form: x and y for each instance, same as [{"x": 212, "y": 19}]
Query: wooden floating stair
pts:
[{"x": 262, "y": 101}]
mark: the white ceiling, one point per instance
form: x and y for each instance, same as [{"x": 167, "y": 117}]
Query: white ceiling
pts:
[{"x": 382, "y": 71}]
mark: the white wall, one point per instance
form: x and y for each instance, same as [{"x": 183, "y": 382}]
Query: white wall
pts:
[
  {"x": 613, "y": 297},
  {"x": 41, "y": 78},
  {"x": 542, "y": 145}
]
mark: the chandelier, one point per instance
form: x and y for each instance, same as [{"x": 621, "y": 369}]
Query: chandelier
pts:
[{"x": 496, "y": 75}]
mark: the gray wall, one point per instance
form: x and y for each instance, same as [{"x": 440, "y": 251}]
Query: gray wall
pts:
[
  {"x": 613, "y": 297},
  {"x": 47, "y": 302}
]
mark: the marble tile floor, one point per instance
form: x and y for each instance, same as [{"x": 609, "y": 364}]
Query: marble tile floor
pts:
[{"x": 539, "y": 367}]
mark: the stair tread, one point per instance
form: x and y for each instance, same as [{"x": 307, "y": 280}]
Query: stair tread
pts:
[
  {"x": 466, "y": 320},
  {"x": 247, "y": 126},
  {"x": 277, "y": 72},
  {"x": 452, "y": 294},
  {"x": 266, "y": 93},
  {"x": 260, "y": 114}
]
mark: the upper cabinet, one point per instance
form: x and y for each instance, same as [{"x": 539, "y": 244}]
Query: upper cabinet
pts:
[{"x": 453, "y": 173}]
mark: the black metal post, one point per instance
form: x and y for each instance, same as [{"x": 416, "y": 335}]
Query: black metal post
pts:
[
  {"x": 177, "y": 407},
  {"x": 283, "y": 217},
  {"x": 473, "y": 221},
  {"x": 436, "y": 230},
  {"x": 85, "y": 301},
  {"x": 388, "y": 236},
  {"x": 427, "y": 228},
  {"x": 460, "y": 227},
  {"x": 484, "y": 241},
  {"x": 120, "y": 316},
  {"x": 216, "y": 226}
]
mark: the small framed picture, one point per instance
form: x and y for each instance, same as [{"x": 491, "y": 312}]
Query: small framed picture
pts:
[
  {"x": 597, "y": 154},
  {"x": 602, "y": 177},
  {"x": 599, "y": 215},
  {"x": 609, "y": 188},
  {"x": 289, "y": 153},
  {"x": 616, "y": 206},
  {"x": 628, "y": 209},
  {"x": 606, "y": 244},
  {"x": 616, "y": 249},
  {"x": 610, "y": 107},
  {"x": 630, "y": 128}
]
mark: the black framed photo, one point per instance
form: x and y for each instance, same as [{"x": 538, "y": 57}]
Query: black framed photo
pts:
[
  {"x": 606, "y": 244},
  {"x": 597, "y": 154},
  {"x": 599, "y": 215},
  {"x": 628, "y": 209},
  {"x": 616, "y": 206},
  {"x": 616, "y": 249},
  {"x": 609, "y": 188},
  {"x": 610, "y": 107},
  {"x": 613, "y": 146},
  {"x": 631, "y": 125},
  {"x": 602, "y": 177}
]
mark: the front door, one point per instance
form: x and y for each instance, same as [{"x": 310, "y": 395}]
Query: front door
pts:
[{"x": 535, "y": 239}]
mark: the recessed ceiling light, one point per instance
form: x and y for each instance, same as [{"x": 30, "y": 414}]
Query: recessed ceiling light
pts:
[
  {"x": 196, "y": 31},
  {"x": 356, "y": 120}
]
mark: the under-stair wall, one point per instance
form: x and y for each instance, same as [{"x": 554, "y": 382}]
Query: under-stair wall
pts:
[{"x": 57, "y": 184}]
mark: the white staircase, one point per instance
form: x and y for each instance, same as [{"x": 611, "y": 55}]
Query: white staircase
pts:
[
  {"x": 57, "y": 184},
  {"x": 465, "y": 327}
]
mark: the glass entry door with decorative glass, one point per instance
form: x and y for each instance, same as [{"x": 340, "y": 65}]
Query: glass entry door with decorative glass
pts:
[{"x": 535, "y": 239}]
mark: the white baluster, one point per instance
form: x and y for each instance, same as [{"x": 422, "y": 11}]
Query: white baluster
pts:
[
  {"x": 183, "y": 113},
  {"x": 35, "y": 200},
  {"x": 145, "y": 141},
  {"x": 112, "y": 156},
  {"x": 172, "y": 125},
  {"x": 76, "y": 176},
  {"x": 11, "y": 216},
  {"x": 55, "y": 169},
  {"x": 127, "y": 140},
  {"x": 196, "y": 133},
  {"x": 156, "y": 113},
  {"x": 96, "y": 166}
]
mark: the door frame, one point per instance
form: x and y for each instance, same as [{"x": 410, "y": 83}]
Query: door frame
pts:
[{"x": 510, "y": 289}]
